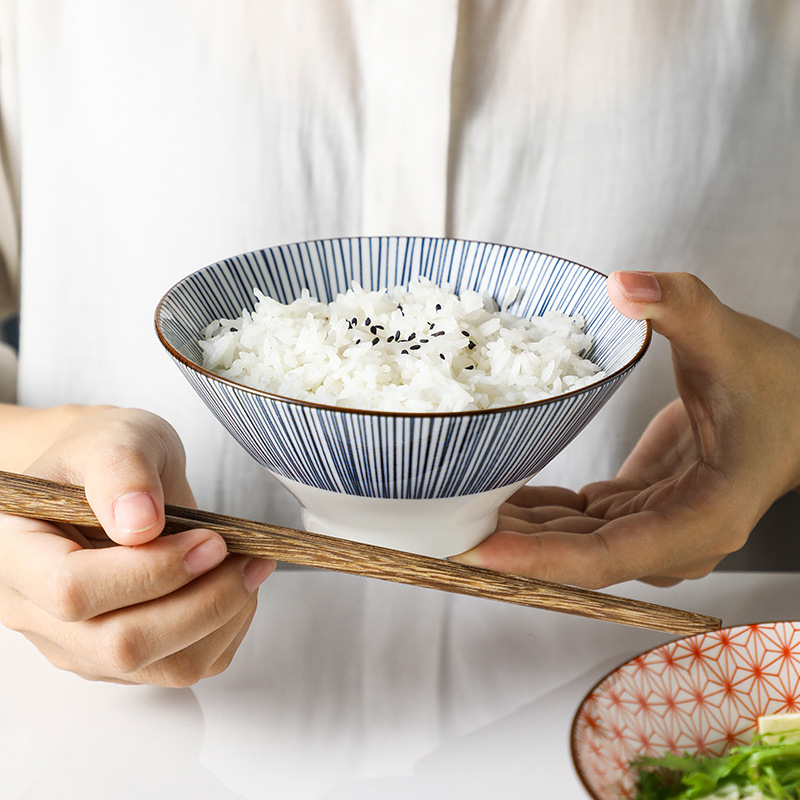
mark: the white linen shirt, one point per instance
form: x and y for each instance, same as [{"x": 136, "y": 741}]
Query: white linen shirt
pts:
[{"x": 144, "y": 139}]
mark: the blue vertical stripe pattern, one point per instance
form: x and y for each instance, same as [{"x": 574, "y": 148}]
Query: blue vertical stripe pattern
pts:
[{"x": 399, "y": 455}]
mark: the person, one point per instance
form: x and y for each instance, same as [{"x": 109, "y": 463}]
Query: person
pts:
[{"x": 142, "y": 140}]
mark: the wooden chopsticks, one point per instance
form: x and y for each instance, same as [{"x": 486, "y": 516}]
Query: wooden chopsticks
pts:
[{"x": 57, "y": 502}]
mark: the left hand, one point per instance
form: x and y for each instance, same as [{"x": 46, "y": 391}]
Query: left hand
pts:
[
  {"x": 158, "y": 610},
  {"x": 703, "y": 473}
]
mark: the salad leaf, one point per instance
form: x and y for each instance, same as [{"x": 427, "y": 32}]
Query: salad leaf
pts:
[{"x": 771, "y": 768}]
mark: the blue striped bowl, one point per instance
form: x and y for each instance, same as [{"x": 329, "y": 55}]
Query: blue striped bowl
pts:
[{"x": 424, "y": 482}]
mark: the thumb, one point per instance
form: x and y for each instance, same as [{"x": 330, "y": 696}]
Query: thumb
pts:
[
  {"x": 128, "y": 501},
  {"x": 134, "y": 455},
  {"x": 125, "y": 460},
  {"x": 681, "y": 308}
]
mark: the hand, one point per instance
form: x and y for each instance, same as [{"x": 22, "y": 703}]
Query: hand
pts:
[
  {"x": 164, "y": 610},
  {"x": 705, "y": 470}
]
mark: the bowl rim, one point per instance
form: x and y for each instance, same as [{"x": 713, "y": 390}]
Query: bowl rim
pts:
[
  {"x": 376, "y": 412},
  {"x": 573, "y": 730}
]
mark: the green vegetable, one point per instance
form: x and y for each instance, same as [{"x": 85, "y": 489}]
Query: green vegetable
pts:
[{"x": 772, "y": 768}]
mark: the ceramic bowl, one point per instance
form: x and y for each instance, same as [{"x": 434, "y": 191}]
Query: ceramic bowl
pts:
[
  {"x": 701, "y": 695},
  {"x": 421, "y": 482}
]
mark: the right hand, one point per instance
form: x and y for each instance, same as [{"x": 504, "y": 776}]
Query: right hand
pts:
[{"x": 161, "y": 610}]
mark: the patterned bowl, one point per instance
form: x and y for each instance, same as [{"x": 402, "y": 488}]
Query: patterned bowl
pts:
[
  {"x": 701, "y": 695},
  {"x": 422, "y": 482}
]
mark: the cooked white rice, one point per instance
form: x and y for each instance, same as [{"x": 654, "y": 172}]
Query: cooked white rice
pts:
[{"x": 416, "y": 349}]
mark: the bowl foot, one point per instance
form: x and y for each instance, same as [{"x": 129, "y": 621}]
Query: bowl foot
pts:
[{"x": 437, "y": 527}]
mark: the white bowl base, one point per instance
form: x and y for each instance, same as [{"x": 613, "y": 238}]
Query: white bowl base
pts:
[{"x": 437, "y": 527}]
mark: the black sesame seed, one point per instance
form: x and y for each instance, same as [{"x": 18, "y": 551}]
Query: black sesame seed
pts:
[
  {"x": 466, "y": 333},
  {"x": 438, "y": 333},
  {"x": 471, "y": 345},
  {"x": 438, "y": 307},
  {"x": 354, "y": 321},
  {"x": 375, "y": 341},
  {"x": 415, "y": 346},
  {"x": 441, "y": 355},
  {"x": 368, "y": 321},
  {"x": 397, "y": 336},
  {"x": 470, "y": 366},
  {"x": 390, "y": 339},
  {"x": 412, "y": 336},
  {"x": 373, "y": 330},
  {"x": 358, "y": 341},
  {"x": 404, "y": 352}
]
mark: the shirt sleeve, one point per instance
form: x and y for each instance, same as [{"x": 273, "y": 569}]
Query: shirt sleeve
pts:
[
  {"x": 9, "y": 254},
  {"x": 8, "y": 374},
  {"x": 9, "y": 163},
  {"x": 9, "y": 191}
]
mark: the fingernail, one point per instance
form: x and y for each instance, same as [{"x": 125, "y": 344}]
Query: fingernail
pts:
[
  {"x": 135, "y": 512},
  {"x": 205, "y": 556},
  {"x": 640, "y": 287},
  {"x": 256, "y": 571}
]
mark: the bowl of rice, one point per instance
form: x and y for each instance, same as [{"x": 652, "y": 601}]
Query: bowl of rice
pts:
[{"x": 401, "y": 388}]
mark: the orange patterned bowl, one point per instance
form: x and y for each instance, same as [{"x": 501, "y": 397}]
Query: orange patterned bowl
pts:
[{"x": 701, "y": 695}]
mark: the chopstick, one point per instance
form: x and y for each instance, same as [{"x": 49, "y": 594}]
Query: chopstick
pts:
[{"x": 37, "y": 498}]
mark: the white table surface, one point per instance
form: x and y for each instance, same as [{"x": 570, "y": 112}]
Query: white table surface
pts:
[{"x": 347, "y": 688}]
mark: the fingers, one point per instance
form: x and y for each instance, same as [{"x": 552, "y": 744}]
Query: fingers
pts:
[
  {"x": 71, "y": 583},
  {"x": 208, "y": 657},
  {"x": 537, "y": 496},
  {"x": 572, "y": 558},
  {"x": 127, "y": 472},
  {"x": 128, "y": 460},
  {"x": 742, "y": 409},
  {"x": 166, "y": 610},
  {"x": 676, "y": 529},
  {"x": 546, "y": 519},
  {"x": 684, "y": 310},
  {"x": 127, "y": 641},
  {"x": 679, "y": 305},
  {"x": 127, "y": 500},
  {"x": 608, "y": 499},
  {"x": 243, "y": 622},
  {"x": 578, "y": 559},
  {"x": 658, "y": 544},
  {"x": 173, "y": 640}
]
